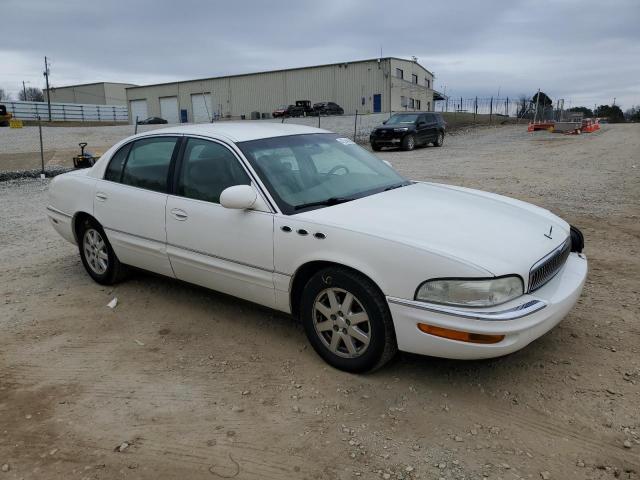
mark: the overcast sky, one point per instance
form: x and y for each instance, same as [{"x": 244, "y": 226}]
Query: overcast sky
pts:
[{"x": 586, "y": 51}]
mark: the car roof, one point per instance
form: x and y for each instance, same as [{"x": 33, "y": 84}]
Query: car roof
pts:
[
  {"x": 411, "y": 113},
  {"x": 239, "y": 131}
]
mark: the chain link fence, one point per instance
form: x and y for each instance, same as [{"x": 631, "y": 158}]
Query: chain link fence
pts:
[
  {"x": 42, "y": 147},
  {"x": 37, "y": 148}
]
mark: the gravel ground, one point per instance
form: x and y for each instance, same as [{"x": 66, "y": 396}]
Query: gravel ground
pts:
[{"x": 177, "y": 381}]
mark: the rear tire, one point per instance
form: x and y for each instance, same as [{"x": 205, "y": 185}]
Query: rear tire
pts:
[
  {"x": 408, "y": 142},
  {"x": 97, "y": 255},
  {"x": 439, "y": 140},
  {"x": 347, "y": 320}
]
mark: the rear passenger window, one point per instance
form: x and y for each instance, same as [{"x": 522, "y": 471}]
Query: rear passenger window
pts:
[
  {"x": 207, "y": 169},
  {"x": 148, "y": 163},
  {"x": 114, "y": 169}
]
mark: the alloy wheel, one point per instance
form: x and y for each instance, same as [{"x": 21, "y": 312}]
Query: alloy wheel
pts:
[
  {"x": 411, "y": 143},
  {"x": 95, "y": 251},
  {"x": 341, "y": 322}
]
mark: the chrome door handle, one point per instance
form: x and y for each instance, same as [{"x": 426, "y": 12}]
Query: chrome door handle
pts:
[
  {"x": 179, "y": 214},
  {"x": 101, "y": 196}
]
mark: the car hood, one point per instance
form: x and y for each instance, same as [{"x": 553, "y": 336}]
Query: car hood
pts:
[{"x": 495, "y": 233}]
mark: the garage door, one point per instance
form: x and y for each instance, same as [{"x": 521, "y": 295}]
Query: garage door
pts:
[
  {"x": 201, "y": 107},
  {"x": 138, "y": 109},
  {"x": 169, "y": 109}
]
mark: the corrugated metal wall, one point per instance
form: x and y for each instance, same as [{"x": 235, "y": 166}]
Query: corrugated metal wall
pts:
[{"x": 351, "y": 85}]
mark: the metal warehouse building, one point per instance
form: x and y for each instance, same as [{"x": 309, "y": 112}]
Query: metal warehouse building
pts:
[
  {"x": 101, "y": 93},
  {"x": 377, "y": 85}
]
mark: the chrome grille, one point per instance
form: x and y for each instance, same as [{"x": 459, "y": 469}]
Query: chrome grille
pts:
[{"x": 546, "y": 268}]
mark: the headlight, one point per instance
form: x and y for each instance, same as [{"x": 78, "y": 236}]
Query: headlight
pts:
[
  {"x": 470, "y": 292},
  {"x": 401, "y": 129}
]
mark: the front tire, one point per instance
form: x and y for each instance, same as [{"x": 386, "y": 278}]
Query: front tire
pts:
[
  {"x": 347, "y": 320},
  {"x": 375, "y": 147},
  {"x": 408, "y": 142},
  {"x": 97, "y": 255}
]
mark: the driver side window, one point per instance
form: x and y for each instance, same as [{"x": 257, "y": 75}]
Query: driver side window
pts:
[{"x": 207, "y": 169}]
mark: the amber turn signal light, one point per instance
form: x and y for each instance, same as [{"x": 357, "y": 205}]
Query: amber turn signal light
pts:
[{"x": 458, "y": 335}]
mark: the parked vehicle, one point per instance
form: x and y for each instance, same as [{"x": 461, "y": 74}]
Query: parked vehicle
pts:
[
  {"x": 408, "y": 130},
  {"x": 301, "y": 108},
  {"x": 288, "y": 111},
  {"x": 152, "y": 121},
  {"x": 5, "y": 116},
  {"x": 280, "y": 111},
  {"x": 327, "y": 108},
  {"x": 305, "y": 105},
  {"x": 303, "y": 221}
]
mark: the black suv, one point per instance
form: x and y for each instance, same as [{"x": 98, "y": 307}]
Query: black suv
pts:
[
  {"x": 407, "y": 130},
  {"x": 327, "y": 108}
]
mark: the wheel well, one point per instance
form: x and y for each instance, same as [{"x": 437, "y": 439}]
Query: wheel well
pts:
[
  {"x": 302, "y": 276},
  {"x": 78, "y": 219}
]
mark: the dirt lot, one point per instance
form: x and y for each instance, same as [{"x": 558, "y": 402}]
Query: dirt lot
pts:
[{"x": 192, "y": 384}]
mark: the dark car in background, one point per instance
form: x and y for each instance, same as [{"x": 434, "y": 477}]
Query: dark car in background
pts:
[
  {"x": 327, "y": 108},
  {"x": 152, "y": 121},
  {"x": 300, "y": 109},
  {"x": 408, "y": 130}
]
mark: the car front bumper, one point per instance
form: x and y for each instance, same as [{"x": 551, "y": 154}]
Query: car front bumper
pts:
[
  {"x": 387, "y": 139},
  {"x": 521, "y": 321}
]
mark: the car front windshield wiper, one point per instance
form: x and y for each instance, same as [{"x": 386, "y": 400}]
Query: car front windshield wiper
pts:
[
  {"x": 328, "y": 201},
  {"x": 397, "y": 185}
]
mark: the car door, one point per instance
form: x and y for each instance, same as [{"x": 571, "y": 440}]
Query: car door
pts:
[
  {"x": 422, "y": 129},
  {"x": 431, "y": 130},
  {"x": 130, "y": 202},
  {"x": 224, "y": 249}
]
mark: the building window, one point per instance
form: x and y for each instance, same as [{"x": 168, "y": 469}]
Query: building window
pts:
[
  {"x": 403, "y": 101},
  {"x": 412, "y": 103},
  {"x": 399, "y": 73},
  {"x": 414, "y": 79},
  {"x": 417, "y": 104},
  {"x": 427, "y": 82}
]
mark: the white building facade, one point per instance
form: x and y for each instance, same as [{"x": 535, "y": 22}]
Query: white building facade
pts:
[{"x": 368, "y": 86}]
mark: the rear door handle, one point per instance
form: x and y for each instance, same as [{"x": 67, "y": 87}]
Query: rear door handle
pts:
[
  {"x": 101, "y": 196},
  {"x": 179, "y": 214}
]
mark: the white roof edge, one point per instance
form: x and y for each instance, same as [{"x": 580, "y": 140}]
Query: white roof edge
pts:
[{"x": 239, "y": 131}]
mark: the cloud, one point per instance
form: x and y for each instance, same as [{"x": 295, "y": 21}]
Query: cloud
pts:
[{"x": 583, "y": 50}]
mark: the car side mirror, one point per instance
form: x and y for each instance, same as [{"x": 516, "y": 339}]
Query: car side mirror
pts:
[
  {"x": 422, "y": 124},
  {"x": 384, "y": 123},
  {"x": 241, "y": 197}
]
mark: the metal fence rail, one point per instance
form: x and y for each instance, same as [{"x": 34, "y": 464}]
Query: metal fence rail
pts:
[{"x": 68, "y": 112}]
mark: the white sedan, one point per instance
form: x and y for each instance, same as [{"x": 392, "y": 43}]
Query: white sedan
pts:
[{"x": 303, "y": 221}]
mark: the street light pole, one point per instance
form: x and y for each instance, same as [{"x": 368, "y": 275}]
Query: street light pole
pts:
[{"x": 46, "y": 76}]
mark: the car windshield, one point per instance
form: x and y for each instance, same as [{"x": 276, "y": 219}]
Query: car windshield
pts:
[
  {"x": 404, "y": 118},
  {"x": 310, "y": 171}
]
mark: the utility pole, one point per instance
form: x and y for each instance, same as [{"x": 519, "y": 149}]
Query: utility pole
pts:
[
  {"x": 24, "y": 91},
  {"x": 46, "y": 76}
]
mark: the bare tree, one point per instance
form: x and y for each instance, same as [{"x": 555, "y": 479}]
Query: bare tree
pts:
[
  {"x": 4, "y": 95},
  {"x": 33, "y": 94}
]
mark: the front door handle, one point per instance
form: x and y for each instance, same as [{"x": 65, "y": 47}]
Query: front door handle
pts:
[
  {"x": 179, "y": 214},
  {"x": 101, "y": 196}
]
